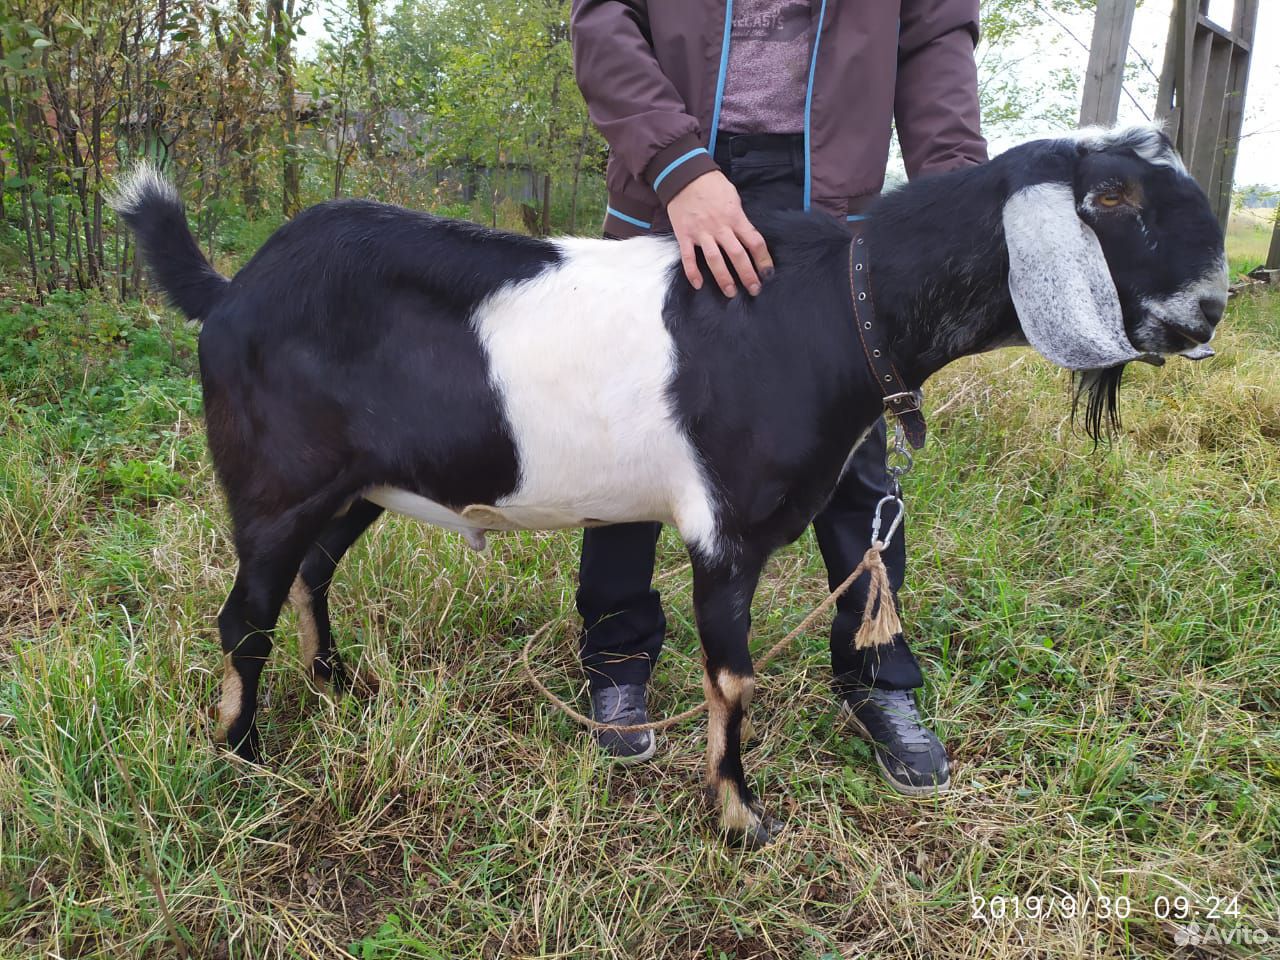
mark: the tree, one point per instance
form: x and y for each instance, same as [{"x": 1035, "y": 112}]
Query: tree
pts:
[
  {"x": 282, "y": 20},
  {"x": 506, "y": 96}
]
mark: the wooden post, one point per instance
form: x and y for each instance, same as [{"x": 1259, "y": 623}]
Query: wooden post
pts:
[
  {"x": 1104, "y": 80},
  {"x": 1273, "y": 255},
  {"x": 1202, "y": 91},
  {"x": 1243, "y": 26},
  {"x": 1175, "y": 78}
]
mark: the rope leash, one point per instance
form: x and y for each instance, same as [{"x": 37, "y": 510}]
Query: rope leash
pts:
[{"x": 879, "y": 624}]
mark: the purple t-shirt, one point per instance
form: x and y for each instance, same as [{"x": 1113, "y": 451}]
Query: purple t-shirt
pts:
[{"x": 769, "y": 48}]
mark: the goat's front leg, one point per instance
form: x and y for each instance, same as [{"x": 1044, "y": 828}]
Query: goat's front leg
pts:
[{"x": 722, "y": 595}]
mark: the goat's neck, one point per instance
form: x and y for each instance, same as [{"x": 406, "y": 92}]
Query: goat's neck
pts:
[{"x": 940, "y": 272}]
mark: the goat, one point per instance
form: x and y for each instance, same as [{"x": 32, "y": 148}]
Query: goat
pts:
[{"x": 372, "y": 357}]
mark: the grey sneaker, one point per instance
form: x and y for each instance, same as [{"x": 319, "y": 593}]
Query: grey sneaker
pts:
[
  {"x": 622, "y": 704},
  {"x": 912, "y": 759}
]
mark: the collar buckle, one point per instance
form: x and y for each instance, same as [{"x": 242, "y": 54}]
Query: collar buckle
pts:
[{"x": 906, "y": 401}]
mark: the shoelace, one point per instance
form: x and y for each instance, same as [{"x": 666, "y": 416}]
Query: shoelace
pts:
[
  {"x": 900, "y": 712},
  {"x": 621, "y": 705}
]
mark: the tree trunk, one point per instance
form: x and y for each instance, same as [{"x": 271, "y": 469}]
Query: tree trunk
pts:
[
  {"x": 546, "y": 205},
  {"x": 249, "y": 133},
  {"x": 1273, "y": 255},
  {"x": 373, "y": 111},
  {"x": 281, "y": 15},
  {"x": 24, "y": 171},
  {"x": 577, "y": 174},
  {"x": 549, "y": 158}
]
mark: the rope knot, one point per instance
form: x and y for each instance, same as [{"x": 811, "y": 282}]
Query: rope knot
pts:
[{"x": 880, "y": 623}]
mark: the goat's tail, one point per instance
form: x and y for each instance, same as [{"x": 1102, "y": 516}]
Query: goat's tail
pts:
[{"x": 150, "y": 205}]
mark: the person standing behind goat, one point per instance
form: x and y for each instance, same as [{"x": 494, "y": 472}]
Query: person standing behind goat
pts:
[{"x": 715, "y": 109}]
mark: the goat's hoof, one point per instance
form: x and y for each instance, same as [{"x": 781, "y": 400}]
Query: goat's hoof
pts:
[
  {"x": 758, "y": 832},
  {"x": 244, "y": 745},
  {"x": 329, "y": 677},
  {"x": 756, "y": 835},
  {"x": 337, "y": 679},
  {"x": 363, "y": 685}
]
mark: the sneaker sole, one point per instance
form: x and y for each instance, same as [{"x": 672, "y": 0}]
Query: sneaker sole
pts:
[
  {"x": 646, "y": 754},
  {"x": 906, "y": 789}
]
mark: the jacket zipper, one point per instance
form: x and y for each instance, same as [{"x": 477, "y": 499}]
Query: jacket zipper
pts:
[
  {"x": 724, "y": 68},
  {"x": 808, "y": 103}
]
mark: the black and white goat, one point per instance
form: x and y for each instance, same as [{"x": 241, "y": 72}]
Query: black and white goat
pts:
[{"x": 372, "y": 357}]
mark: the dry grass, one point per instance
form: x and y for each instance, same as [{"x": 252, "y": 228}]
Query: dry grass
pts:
[
  {"x": 1249, "y": 237},
  {"x": 1099, "y": 630}
]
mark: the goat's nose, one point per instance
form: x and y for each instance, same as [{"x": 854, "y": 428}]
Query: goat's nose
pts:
[{"x": 1212, "y": 308}]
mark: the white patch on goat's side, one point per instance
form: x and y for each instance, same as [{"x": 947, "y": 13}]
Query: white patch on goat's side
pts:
[
  {"x": 584, "y": 363},
  {"x": 1059, "y": 280}
]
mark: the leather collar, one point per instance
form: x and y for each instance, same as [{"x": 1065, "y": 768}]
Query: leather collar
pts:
[{"x": 901, "y": 402}]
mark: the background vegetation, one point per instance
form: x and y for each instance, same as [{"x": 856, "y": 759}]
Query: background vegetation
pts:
[{"x": 1099, "y": 628}]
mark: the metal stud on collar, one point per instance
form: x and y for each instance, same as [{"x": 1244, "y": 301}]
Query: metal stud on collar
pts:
[{"x": 899, "y": 403}]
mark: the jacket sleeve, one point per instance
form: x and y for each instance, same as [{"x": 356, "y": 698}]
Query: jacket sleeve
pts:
[
  {"x": 635, "y": 106},
  {"x": 936, "y": 101}
]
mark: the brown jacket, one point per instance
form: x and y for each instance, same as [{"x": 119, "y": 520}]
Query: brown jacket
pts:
[{"x": 652, "y": 73}]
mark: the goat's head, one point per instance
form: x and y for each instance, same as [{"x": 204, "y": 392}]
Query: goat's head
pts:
[{"x": 1114, "y": 255}]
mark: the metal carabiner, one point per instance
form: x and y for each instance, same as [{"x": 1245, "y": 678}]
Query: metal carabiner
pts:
[{"x": 893, "y": 527}]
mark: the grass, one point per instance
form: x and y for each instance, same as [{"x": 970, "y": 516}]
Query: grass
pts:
[
  {"x": 1249, "y": 238},
  {"x": 1099, "y": 630}
]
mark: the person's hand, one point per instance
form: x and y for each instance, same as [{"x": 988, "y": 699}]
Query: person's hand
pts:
[{"x": 707, "y": 214}]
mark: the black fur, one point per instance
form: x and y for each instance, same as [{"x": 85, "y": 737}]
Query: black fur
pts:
[
  {"x": 1100, "y": 390},
  {"x": 353, "y": 318},
  {"x": 775, "y": 381},
  {"x": 341, "y": 358},
  {"x": 159, "y": 221}
]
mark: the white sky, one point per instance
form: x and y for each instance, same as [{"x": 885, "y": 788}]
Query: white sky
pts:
[{"x": 1259, "y": 158}]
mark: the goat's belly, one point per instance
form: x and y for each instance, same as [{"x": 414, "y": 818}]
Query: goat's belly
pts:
[{"x": 475, "y": 520}]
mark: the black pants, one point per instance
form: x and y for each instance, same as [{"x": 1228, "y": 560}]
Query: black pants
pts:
[{"x": 622, "y": 613}]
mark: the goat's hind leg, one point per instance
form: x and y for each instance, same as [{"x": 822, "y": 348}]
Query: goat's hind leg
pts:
[
  {"x": 270, "y": 552},
  {"x": 310, "y": 593},
  {"x": 722, "y": 606}
]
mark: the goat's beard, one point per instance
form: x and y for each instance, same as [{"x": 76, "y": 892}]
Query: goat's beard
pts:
[{"x": 1100, "y": 391}]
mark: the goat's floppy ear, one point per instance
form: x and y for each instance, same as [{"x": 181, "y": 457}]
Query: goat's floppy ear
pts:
[{"x": 1061, "y": 287}]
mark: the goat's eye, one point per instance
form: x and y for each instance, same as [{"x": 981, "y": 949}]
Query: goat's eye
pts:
[{"x": 1111, "y": 199}]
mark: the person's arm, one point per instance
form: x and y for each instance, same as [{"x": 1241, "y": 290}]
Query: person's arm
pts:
[
  {"x": 629, "y": 98},
  {"x": 646, "y": 123},
  {"x": 936, "y": 101}
]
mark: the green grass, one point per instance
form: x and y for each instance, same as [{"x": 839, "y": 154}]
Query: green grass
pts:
[
  {"x": 1249, "y": 238},
  {"x": 1099, "y": 630}
]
